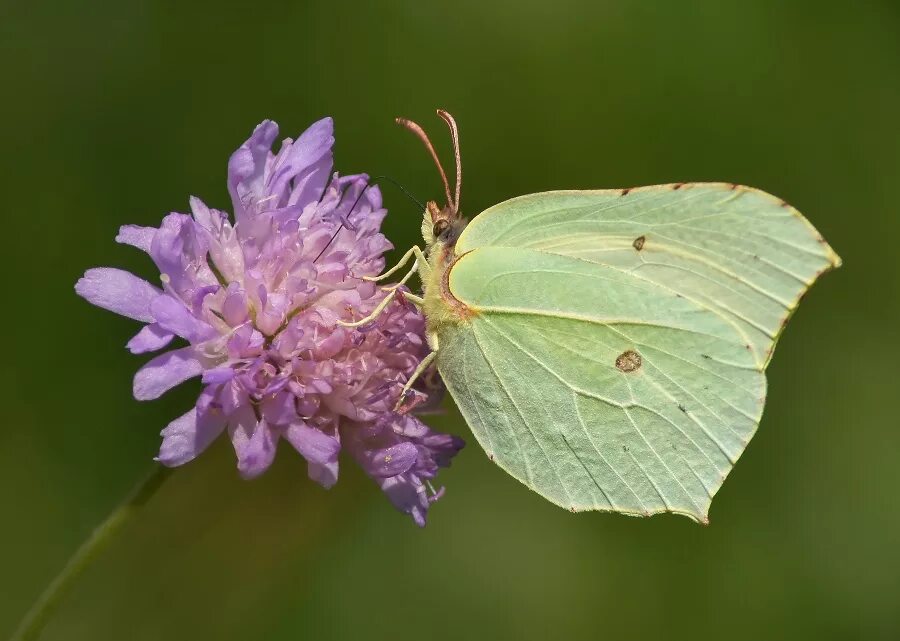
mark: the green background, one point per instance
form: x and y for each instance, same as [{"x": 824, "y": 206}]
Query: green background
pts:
[{"x": 114, "y": 112}]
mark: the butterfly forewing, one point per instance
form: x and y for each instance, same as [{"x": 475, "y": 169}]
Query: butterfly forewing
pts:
[{"x": 738, "y": 251}]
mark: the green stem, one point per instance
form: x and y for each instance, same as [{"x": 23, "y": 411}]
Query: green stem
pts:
[{"x": 46, "y": 605}]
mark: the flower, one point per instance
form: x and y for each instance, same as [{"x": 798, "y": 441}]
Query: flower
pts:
[{"x": 257, "y": 301}]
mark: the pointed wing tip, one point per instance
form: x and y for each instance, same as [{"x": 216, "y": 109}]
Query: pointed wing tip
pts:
[{"x": 832, "y": 262}]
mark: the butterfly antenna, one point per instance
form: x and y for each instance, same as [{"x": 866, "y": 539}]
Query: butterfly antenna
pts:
[
  {"x": 341, "y": 225},
  {"x": 416, "y": 129},
  {"x": 403, "y": 189},
  {"x": 454, "y": 133}
]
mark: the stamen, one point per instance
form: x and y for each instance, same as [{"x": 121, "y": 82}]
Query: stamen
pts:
[{"x": 267, "y": 199}]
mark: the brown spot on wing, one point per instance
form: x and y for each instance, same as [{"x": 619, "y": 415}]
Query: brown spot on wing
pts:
[
  {"x": 628, "y": 361},
  {"x": 677, "y": 186},
  {"x": 625, "y": 191},
  {"x": 638, "y": 243}
]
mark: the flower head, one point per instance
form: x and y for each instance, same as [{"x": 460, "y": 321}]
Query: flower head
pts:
[{"x": 257, "y": 301}]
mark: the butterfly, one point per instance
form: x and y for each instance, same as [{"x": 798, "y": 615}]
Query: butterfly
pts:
[{"x": 608, "y": 348}]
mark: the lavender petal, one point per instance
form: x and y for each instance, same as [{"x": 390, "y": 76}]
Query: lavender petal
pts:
[
  {"x": 165, "y": 372},
  {"x": 118, "y": 291},
  {"x": 254, "y": 443},
  {"x": 186, "y": 437},
  {"x": 150, "y": 339}
]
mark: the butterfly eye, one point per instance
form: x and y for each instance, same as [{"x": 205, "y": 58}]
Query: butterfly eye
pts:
[{"x": 439, "y": 228}]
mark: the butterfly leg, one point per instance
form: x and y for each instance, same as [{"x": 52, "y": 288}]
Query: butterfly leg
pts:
[
  {"x": 403, "y": 280},
  {"x": 418, "y": 301},
  {"x": 414, "y": 377},
  {"x": 420, "y": 369},
  {"x": 413, "y": 251},
  {"x": 420, "y": 266},
  {"x": 375, "y": 312}
]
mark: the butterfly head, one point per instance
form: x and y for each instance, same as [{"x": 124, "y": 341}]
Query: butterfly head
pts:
[{"x": 441, "y": 225}]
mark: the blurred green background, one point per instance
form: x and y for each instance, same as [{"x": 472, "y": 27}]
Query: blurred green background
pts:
[{"x": 115, "y": 111}]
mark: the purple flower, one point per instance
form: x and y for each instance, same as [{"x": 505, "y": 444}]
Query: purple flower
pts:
[{"x": 257, "y": 302}]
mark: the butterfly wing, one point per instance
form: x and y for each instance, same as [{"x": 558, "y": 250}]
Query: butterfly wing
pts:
[
  {"x": 614, "y": 355},
  {"x": 740, "y": 251}
]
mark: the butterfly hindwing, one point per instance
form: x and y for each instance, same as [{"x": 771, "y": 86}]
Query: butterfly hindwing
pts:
[{"x": 597, "y": 389}]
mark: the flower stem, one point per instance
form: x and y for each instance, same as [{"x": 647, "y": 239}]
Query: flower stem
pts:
[{"x": 40, "y": 613}]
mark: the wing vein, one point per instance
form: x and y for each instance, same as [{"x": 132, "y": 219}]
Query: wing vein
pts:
[
  {"x": 524, "y": 421},
  {"x": 485, "y": 428},
  {"x": 712, "y": 438},
  {"x": 577, "y": 390},
  {"x": 591, "y": 476},
  {"x": 664, "y": 464},
  {"x": 587, "y": 319},
  {"x": 528, "y": 473},
  {"x": 603, "y": 458}
]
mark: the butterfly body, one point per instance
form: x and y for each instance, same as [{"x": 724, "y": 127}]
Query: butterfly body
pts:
[{"x": 440, "y": 230}]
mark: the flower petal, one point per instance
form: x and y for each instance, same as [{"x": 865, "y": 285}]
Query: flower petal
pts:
[
  {"x": 408, "y": 495},
  {"x": 218, "y": 375},
  {"x": 389, "y": 461},
  {"x": 187, "y": 436},
  {"x": 180, "y": 254},
  {"x": 314, "y": 445},
  {"x": 246, "y": 168},
  {"x": 234, "y": 307},
  {"x": 151, "y": 338},
  {"x": 202, "y": 214},
  {"x": 118, "y": 291},
  {"x": 303, "y": 157},
  {"x": 280, "y": 408},
  {"x": 165, "y": 372},
  {"x": 325, "y": 475},
  {"x": 136, "y": 236},
  {"x": 225, "y": 252},
  {"x": 173, "y": 316},
  {"x": 254, "y": 443}
]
